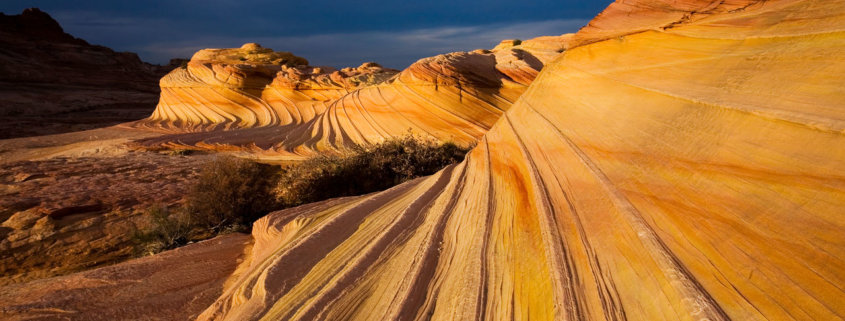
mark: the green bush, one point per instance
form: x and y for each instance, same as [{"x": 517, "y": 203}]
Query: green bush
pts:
[
  {"x": 364, "y": 170},
  {"x": 179, "y": 152},
  {"x": 232, "y": 192},
  {"x": 167, "y": 231}
]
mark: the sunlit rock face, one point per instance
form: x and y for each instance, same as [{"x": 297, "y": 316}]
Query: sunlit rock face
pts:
[
  {"x": 683, "y": 171},
  {"x": 253, "y": 86},
  {"x": 223, "y": 87},
  {"x": 687, "y": 169},
  {"x": 279, "y": 103}
]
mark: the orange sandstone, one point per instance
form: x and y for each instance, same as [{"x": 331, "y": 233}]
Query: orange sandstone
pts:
[
  {"x": 693, "y": 172},
  {"x": 681, "y": 160},
  {"x": 285, "y": 107}
]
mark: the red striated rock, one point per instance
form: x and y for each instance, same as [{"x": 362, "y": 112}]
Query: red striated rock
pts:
[{"x": 63, "y": 215}]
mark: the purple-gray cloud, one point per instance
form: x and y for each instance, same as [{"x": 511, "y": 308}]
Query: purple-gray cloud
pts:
[{"x": 395, "y": 49}]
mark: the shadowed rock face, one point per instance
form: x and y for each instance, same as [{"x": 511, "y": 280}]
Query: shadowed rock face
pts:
[
  {"x": 683, "y": 173},
  {"x": 51, "y": 82},
  {"x": 295, "y": 110}
]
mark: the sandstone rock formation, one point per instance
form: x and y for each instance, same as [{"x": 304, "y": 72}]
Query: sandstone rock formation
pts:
[
  {"x": 681, "y": 160},
  {"x": 51, "y": 82},
  {"x": 688, "y": 172},
  {"x": 293, "y": 109},
  {"x": 252, "y": 86}
]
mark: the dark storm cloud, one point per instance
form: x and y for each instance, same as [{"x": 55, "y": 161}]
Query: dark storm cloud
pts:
[{"x": 339, "y": 33}]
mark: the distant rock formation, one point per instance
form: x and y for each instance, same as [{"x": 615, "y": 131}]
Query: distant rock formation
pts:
[
  {"x": 52, "y": 82},
  {"x": 281, "y": 106},
  {"x": 252, "y": 86}
]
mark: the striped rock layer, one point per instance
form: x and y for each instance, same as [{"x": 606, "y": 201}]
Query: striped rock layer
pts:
[
  {"x": 278, "y": 105},
  {"x": 689, "y": 168}
]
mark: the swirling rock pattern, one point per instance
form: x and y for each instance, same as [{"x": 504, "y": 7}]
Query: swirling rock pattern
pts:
[
  {"x": 692, "y": 172},
  {"x": 286, "y": 107},
  {"x": 224, "y": 88},
  {"x": 689, "y": 169}
]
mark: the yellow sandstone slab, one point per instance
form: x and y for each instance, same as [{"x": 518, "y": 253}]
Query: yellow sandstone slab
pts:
[{"x": 685, "y": 169}]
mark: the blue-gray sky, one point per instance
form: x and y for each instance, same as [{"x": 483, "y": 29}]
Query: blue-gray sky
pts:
[{"x": 394, "y": 33}]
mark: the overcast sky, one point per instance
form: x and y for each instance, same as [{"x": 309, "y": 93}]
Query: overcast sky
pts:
[{"x": 394, "y": 33}]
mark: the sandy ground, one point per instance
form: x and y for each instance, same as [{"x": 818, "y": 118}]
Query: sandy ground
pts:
[
  {"x": 99, "y": 142},
  {"x": 176, "y": 285}
]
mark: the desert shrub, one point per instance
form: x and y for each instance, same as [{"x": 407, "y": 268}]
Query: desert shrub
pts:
[
  {"x": 167, "y": 230},
  {"x": 232, "y": 192},
  {"x": 364, "y": 170},
  {"x": 179, "y": 152}
]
